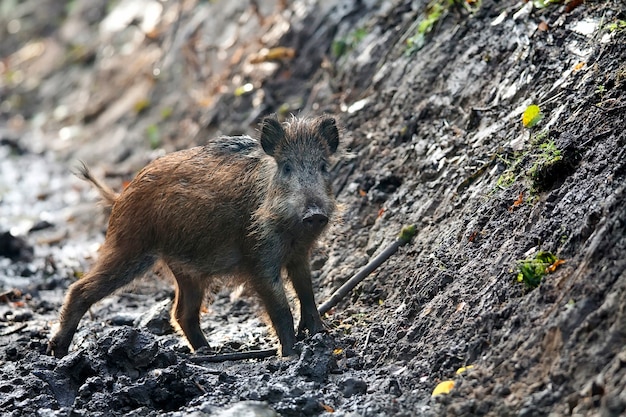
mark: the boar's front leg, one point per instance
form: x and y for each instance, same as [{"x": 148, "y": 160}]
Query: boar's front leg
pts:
[
  {"x": 300, "y": 274},
  {"x": 269, "y": 286}
]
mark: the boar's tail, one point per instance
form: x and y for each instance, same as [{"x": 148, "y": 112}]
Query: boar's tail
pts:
[{"x": 108, "y": 195}]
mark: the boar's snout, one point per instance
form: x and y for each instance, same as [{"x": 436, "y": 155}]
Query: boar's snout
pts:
[{"x": 314, "y": 219}]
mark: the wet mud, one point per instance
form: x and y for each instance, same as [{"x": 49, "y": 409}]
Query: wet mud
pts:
[{"x": 433, "y": 136}]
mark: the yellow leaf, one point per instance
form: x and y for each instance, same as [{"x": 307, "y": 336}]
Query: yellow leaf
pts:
[
  {"x": 463, "y": 369},
  {"x": 443, "y": 388},
  {"x": 141, "y": 105},
  {"x": 532, "y": 115},
  {"x": 337, "y": 351}
]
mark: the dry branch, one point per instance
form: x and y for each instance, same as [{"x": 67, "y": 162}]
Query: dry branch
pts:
[
  {"x": 405, "y": 236},
  {"x": 234, "y": 356}
]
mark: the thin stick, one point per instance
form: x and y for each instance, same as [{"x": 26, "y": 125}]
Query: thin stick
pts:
[
  {"x": 234, "y": 356},
  {"x": 406, "y": 235},
  {"x": 16, "y": 329}
]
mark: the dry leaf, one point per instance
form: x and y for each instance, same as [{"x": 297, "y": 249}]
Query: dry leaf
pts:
[
  {"x": 519, "y": 201},
  {"x": 327, "y": 408},
  {"x": 275, "y": 54},
  {"x": 550, "y": 269}
]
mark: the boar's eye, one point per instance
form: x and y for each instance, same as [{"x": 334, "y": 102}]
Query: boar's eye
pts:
[
  {"x": 324, "y": 168},
  {"x": 287, "y": 169}
]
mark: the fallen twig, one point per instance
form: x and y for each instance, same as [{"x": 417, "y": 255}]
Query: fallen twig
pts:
[
  {"x": 14, "y": 329},
  {"x": 234, "y": 356},
  {"x": 405, "y": 236}
]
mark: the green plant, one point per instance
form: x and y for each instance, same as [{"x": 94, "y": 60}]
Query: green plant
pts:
[
  {"x": 506, "y": 179},
  {"x": 617, "y": 26},
  {"x": 154, "y": 136},
  {"x": 343, "y": 45},
  {"x": 511, "y": 173},
  {"x": 434, "y": 12},
  {"x": 549, "y": 156},
  {"x": 532, "y": 270},
  {"x": 600, "y": 90},
  {"x": 540, "y": 137}
]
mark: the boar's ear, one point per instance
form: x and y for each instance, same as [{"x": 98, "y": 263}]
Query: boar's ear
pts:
[
  {"x": 272, "y": 133},
  {"x": 328, "y": 130}
]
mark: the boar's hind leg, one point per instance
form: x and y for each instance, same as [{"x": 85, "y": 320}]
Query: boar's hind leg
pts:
[
  {"x": 270, "y": 288},
  {"x": 186, "y": 309},
  {"x": 300, "y": 275},
  {"x": 113, "y": 270}
]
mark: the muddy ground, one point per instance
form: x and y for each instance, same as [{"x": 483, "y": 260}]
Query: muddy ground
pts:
[{"x": 433, "y": 136}]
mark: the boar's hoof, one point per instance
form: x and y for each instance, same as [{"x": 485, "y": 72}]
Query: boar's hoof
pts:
[{"x": 56, "y": 350}]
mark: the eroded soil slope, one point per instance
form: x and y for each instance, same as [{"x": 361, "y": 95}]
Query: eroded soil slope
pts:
[{"x": 431, "y": 98}]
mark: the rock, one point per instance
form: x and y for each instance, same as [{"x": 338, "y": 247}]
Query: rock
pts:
[
  {"x": 248, "y": 409},
  {"x": 353, "y": 386}
]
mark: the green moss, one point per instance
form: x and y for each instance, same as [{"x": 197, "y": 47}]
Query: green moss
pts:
[
  {"x": 408, "y": 232},
  {"x": 154, "y": 136},
  {"x": 506, "y": 179},
  {"x": 341, "y": 46},
  {"x": 434, "y": 12},
  {"x": 512, "y": 171},
  {"x": 544, "y": 163},
  {"x": 618, "y": 25},
  {"x": 531, "y": 271}
]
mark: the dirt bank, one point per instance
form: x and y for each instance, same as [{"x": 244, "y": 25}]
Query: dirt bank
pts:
[{"x": 430, "y": 97}]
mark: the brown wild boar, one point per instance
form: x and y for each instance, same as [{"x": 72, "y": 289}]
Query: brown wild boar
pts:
[{"x": 236, "y": 208}]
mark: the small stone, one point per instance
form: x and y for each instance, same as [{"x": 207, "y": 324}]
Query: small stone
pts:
[{"x": 352, "y": 386}]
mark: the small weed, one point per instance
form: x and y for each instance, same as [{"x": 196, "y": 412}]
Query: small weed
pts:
[
  {"x": 615, "y": 27},
  {"x": 540, "y": 137},
  {"x": 511, "y": 173},
  {"x": 154, "y": 136},
  {"x": 600, "y": 90},
  {"x": 506, "y": 179},
  {"x": 434, "y": 12},
  {"x": 531, "y": 271},
  {"x": 544, "y": 162},
  {"x": 541, "y": 162},
  {"x": 341, "y": 46}
]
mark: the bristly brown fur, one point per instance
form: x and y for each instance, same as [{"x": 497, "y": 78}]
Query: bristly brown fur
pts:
[
  {"x": 108, "y": 195},
  {"x": 236, "y": 207}
]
